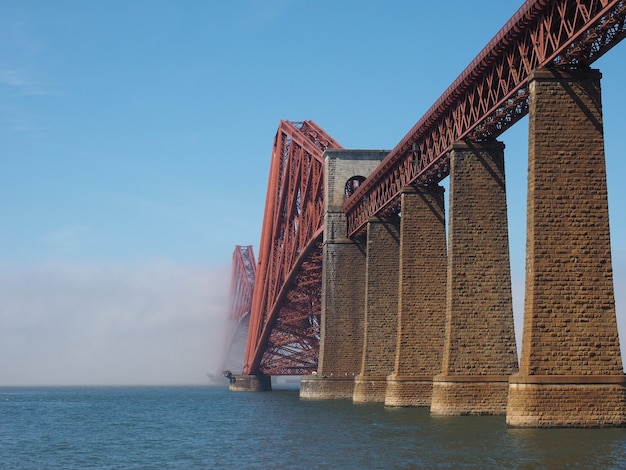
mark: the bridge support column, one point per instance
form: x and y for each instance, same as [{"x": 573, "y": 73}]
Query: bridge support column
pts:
[
  {"x": 343, "y": 281},
  {"x": 381, "y": 309},
  {"x": 343, "y": 309},
  {"x": 570, "y": 369},
  {"x": 250, "y": 383},
  {"x": 479, "y": 348},
  {"x": 422, "y": 297}
]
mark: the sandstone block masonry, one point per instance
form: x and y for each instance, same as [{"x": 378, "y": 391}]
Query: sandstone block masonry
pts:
[
  {"x": 343, "y": 282},
  {"x": 422, "y": 297},
  {"x": 250, "y": 383},
  {"x": 381, "y": 309},
  {"x": 571, "y": 371},
  {"x": 479, "y": 351}
]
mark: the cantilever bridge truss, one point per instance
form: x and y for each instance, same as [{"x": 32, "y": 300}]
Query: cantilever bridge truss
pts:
[
  {"x": 243, "y": 273},
  {"x": 284, "y": 334},
  {"x": 241, "y": 286},
  {"x": 489, "y": 96}
]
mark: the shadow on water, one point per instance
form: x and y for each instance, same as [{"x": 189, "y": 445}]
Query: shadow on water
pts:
[{"x": 374, "y": 436}]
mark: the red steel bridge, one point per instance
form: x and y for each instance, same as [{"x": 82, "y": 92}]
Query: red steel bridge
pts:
[
  {"x": 489, "y": 96},
  {"x": 243, "y": 273}
]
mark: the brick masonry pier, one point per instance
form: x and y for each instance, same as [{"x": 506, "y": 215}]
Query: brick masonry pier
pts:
[
  {"x": 571, "y": 371},
  {"x": 422, "y": 297},
  {"x": 479, "y": 351},
  {"x": 343, "y": 282}
]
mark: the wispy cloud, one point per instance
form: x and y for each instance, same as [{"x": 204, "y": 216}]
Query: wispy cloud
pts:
[
  {"x": 258, "y": 15},
  {"x": 23, "y": 83},
  {"x": 65, "y": 238},
  {"x": 13, "y": 120},
  {"x": 22, "y": 59},
  {"x": 155, "y": 323}
]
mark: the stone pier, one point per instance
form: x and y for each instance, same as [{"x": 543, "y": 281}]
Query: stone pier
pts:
[
  {"x": 422, "y": 297},
  {"x": 343, "y": 281},
  {"x": 479, "y": 351},
  {"x": 381, "y": 309},
  {"x": 571, "y": 371},
  {"x": 250, "y": 383}
]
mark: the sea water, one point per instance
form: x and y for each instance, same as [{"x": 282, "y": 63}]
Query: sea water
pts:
[{"x": 212, "y": 428}]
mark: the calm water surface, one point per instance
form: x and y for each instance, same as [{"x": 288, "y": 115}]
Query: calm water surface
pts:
[{"x": 210, "y": 427}]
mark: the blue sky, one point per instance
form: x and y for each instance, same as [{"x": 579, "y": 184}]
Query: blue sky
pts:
[{"x": 135, "y": 140}]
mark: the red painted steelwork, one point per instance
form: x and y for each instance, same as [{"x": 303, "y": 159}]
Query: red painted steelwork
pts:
[
  {"x": 243, "y": 272},
  {"x": 241, "y": 285},
  {"x": 491, "y": 94},
  {"x": 283, "y": 338}
]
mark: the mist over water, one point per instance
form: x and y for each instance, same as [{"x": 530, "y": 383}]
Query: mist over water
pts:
[
  {"x": 144, "y": 324},
  {"x": 71, "y": 324}
]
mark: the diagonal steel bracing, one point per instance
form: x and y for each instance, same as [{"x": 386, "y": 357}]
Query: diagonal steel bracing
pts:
[
  {"x": 243, "y": 271},
  {"x": 486, "y": 99},
  {"x": 491, "y": 94},
  {"x": 283, "y": 338}
]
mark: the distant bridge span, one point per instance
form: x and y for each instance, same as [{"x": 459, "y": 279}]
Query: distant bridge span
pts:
[
  {"x": 489, "y": 96},
  {"x": 243, "y": 273}
]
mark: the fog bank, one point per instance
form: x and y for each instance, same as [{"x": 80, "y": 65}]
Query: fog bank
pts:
[{"x": 144, "y": 324}]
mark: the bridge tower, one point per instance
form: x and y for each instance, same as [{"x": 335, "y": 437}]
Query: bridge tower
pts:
[{"x": 343, "y": 280}]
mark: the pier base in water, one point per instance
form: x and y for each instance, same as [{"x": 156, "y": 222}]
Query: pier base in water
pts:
[
  {"x": 464, "y": 395},
  {"x": 326, "y": 388},
  {"x": 250, "y": 383},
  {"x": 405, "y": 391},
  {"x": 566, "y": 401}
]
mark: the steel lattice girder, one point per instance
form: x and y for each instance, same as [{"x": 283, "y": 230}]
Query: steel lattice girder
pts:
[
  {"x": 293, "y": 345},
  {"x": 491, "y": 94},
  {"x": 241, "y": 283},
  {"x": 288, "y": 261},
  {"x": 243, "y": 271}
]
